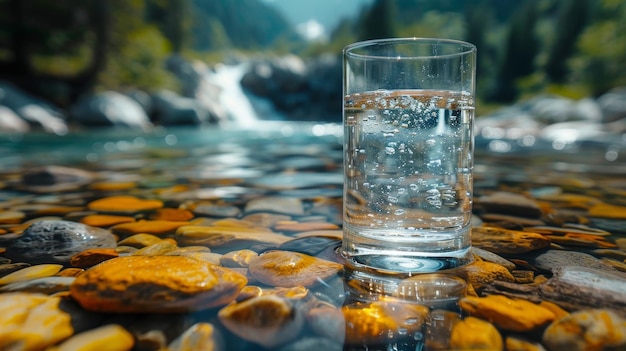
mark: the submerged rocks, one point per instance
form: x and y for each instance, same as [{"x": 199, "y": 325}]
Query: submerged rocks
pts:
[
  {"x": 158, "y": 284},
  {"x": 51, "y": 241}
]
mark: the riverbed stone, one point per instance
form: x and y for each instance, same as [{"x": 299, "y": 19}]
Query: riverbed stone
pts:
[
  {"x": 224, "y": 239},
  {"x": 508, "y": 314},
  {"x": 105, "y": 221},
  {"x": 509, "y": 203},
  {"x": 156, "y": 227},
  {"x": 32, "y": 322},
  {"x": 124, "y": 204},
  {"x": 382, "y": 321},
  {"x": 289, "y": 269},
  {"x": 200, "y": 336},
  {"x": 475, "y": 334},
  {"x": 53, "y": 241},
  {"x": 159, "y": 284},
  {"x": 505, "y": 241},
  {"x": 267, "y": 320},
  {"x": 92, "y": 257},
  {"x": 479, "y": 274},
  {"x": 593, "y": 329},
  {"x": 107, "y": 337},
  {"x": 32, "y": 272}
]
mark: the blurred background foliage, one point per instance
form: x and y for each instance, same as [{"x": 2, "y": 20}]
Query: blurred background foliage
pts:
[{"x": 61, "y": 49}]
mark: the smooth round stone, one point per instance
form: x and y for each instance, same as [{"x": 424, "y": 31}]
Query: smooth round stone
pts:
[
  {"x": 155, "y": 284},
  {"x": 32, "y": 321},
  {"x": 108, "y": 337},
  {"x": 238, "y": 259},
  {"x": 505, "y": 241},
  {"x": 11, "y": 217},
  {"x": 124, "y": 204},
  {"x": 212, "y": 210},
  {"x": 92, "y": 257},
  {"x": 100, "y": 220},
  {"x": 52, "y": 179},
  {"x": 8, "y": 268},
  {"x": 47, "y": 285},
  {"x": 155, "y": 227},
  {"x": 594, "y": 329},
  {"x": 140, "y": 240},
  {"x": 304, "y": 226},
  {"x": 475, "y": 334},
  {"x": 510, "y": 203},
  {"x": 200, "y": 336},
  {"x": 32, "y": 272},
  {"x": 275, "y": 204},
  {"x": 382, "y": 322},
  {"x": 52, "y": 241},
  {"x": 172, "y": 214},
  {"x": 310, "y": 245},
  {"x": 289, "y": 269},
  {"x": 267, "y": 320},
  {"x": 508, "y": 314},
  {"x": 493, "y": 258},
  {"x": 227, "y": 238},
  {"x": 553, "y": 259}
]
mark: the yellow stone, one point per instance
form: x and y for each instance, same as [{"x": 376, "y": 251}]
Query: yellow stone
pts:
[
  {"x": 32, "y": 322},
  {"x": 140, "y": 240},
  {"x": 239, "y": 258},
  {"x": 105, "y": 221},
  {"x": 268, "y": 320},
  {"x": 475, "y": 334},
  {"x": 29, "y": 273},
  {"x": 289, "y": 269},
  {"x": 172, "y": 214},
  {"x": 160, "y": 248},
  {"x": 158, "y": 284},
  {"x": 124, "y": 203},
  {"x": 108, "y": 337},
  {"x": 505, "y": 241},
  {"x": 603, "y": 210},
  {"x": 517, "y": 344},
  {"x": 292, "y": 226},
  {"x": 201, "y": 336},
  {"x": 158, "y": 228},
  {"x": 113, "y": 186},
  {"x": 92, "y": 257},
  {"x": 381, "y": 321},
  {"x": 226, "y": 236},
  {"x": 508, "y": 314},
  {"x": 482, "y": 273}
]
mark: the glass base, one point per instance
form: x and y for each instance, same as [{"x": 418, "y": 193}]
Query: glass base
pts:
[{"x": 406, "y": 265}]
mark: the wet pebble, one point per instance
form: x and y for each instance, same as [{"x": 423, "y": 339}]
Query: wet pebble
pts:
[
  {"x": 267, "y": 320},
  {"x": 124, "y": 204},
  {"x": 504, "y": 241},
  {"x": 288, "y": 269},
  {"x": 510, "y": 203},
  {"x": 475, "y": 334},
  {"x": 594, "y": 329},
  {"x": 107, "y": 337},
  {"x": 32, "y": 322},
  {"x": 52, "y": 241},
  {"x": 275, "y": 204},
  {"x": 508, "y": 314},
  {"x": 553, "y": 259},
  {"x": 158, "y": 284}
]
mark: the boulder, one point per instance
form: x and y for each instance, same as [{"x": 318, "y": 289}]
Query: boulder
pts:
[
  {"x": 171, "y": 109},
  {"x": 33, "y": 111},
  {"x": 110, "y": 109}
]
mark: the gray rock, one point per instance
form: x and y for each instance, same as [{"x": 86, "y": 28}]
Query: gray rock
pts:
[
  {"x": 55, "y": 241},
  {"x": 33, "y": 111},
  {"x": 613, "y": 104},
  {"x": 552, "y": 260},
  {"x": 171, "y": 109},
  {"x": 11, "y": 122},
  {"x": 110, "y": 109}
]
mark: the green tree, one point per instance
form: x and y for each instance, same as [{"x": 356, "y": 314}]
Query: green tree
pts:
[
  {"x": 571, "y": 21},
  {"x": 601, "y": 61},
  {"x": 379, "y": 21},
  {"x": 520, "y": 49}
]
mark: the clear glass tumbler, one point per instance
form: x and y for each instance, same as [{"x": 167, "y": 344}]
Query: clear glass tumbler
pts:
[{"x": 408, "y": 154}]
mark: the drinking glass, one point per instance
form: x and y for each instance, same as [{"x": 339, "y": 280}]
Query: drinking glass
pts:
[{"x": 408, "y": 117}]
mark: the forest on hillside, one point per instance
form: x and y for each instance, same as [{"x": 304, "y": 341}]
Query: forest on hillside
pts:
[{"x": 64, "y": 48}]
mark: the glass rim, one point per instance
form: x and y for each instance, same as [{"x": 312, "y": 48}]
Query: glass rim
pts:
[{"x": 348, "y": 51}]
